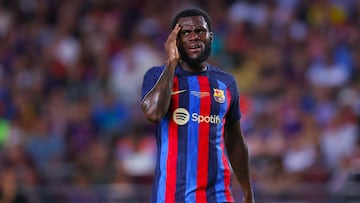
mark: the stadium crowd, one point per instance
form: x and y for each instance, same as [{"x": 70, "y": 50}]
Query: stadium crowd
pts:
[{"x": 70, "y": 79}]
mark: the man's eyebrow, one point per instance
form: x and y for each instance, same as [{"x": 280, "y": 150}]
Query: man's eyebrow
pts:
[
  {"x": 192, "y": 26},
  {"x": 187, "y": 25}
]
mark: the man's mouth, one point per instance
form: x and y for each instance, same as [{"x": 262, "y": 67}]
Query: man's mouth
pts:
[{"x": 195, "y": 47}]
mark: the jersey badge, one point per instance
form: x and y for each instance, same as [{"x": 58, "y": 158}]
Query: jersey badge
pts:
[{"x": 219, "y": 95}]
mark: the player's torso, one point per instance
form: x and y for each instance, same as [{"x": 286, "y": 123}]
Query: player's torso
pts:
[
  {"x": 198, "y": 101},
  {"x": 192, "y": 161}
]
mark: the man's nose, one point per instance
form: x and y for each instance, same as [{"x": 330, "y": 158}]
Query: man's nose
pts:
[{"x": 194, "y": 35}]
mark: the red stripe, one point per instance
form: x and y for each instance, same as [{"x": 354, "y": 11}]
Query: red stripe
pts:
[
  {"x": 227, "y": 173},
  {"x": 172, "y": 149},
  {"x": 203, "y": 147}
]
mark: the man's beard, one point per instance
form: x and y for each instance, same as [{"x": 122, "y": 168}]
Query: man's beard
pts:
[{"x": 195, "y": 61}]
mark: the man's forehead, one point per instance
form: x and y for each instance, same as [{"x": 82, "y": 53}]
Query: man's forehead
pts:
[{"x": 192, "y": 21}]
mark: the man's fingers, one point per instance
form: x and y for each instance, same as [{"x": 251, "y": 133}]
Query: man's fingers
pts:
[
  {"x": 176, "y": 29},
  {"x": 173, "y": 35},
  {"x": 171, "y": 45}
]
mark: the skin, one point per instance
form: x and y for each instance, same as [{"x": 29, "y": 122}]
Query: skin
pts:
[
  {"x": 239, "y": 158},
  {"x": 187, "y": 44}
]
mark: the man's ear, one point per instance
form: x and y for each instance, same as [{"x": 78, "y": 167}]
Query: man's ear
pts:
[{"x": 211, "y": 37}]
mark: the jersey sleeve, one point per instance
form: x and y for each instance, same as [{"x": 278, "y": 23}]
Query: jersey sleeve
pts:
[
  {"x": 150, "y": 78},
  {"x": 234, "y": 113}
]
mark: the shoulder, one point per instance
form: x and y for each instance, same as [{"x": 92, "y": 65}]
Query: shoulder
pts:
[
  {"x": 222, "y": 75},
  {"x": 154, "y": 71}
]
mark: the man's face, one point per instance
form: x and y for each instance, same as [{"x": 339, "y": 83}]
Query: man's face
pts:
[{"x": 194, "y": 40}]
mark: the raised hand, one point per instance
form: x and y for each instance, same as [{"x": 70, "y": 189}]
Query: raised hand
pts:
[{"x": 171, "y": 46}]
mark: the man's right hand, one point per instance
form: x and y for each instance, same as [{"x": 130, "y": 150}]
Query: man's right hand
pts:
[
  {"x": 249, "y": 198},
  {"x": 171, "y": 46}
]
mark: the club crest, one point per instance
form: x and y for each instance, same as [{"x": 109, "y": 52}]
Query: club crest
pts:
[{"x": 219, "y": 95}]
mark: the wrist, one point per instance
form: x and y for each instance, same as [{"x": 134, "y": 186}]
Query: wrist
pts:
[
  {"x": 248, "y": 191},
  {"x": 171, "y": 63},
  {"x": 248, "y": 196}
]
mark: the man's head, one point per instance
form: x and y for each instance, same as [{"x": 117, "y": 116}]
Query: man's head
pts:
[
  {"x": 192, "y": 12},
  {"x": 195, "y": 37}
]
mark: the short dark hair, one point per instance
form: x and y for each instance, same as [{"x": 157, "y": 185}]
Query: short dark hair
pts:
[{"x": 192, "y": 12}]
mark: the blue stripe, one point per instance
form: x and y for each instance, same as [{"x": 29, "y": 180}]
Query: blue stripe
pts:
[
  {"x": 163, "y": 159},
  {"x": 182, "y": 144},
  {"x": 220, "y": 184},
  {"x": 157, "y": 169},
  {"x": 192, "y": 151}
]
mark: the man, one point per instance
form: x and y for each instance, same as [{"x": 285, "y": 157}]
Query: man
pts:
[{"x": 196, "y": 110}]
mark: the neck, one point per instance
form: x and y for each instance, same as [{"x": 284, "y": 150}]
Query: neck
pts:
[{"x": 193, "y": 67}]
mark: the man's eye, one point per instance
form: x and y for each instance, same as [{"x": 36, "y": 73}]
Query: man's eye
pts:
[
  {"x": 201, "y": 31},
  {"x": 185, "y": 32},
  {"x": 197, "y": 31}
]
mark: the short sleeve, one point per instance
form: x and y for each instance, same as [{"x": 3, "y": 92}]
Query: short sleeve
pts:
[
  {"x": 233, "y": 114},
  {"x": 150, "y": 78}
]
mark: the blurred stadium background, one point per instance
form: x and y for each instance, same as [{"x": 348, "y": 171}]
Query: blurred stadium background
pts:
[{"x": 71, "y": 129}]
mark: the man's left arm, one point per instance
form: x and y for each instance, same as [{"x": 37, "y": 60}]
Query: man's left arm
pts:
[{"x": 237, "y": 150}]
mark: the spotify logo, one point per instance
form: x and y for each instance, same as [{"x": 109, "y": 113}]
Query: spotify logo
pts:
[{"x": 181, "y": 116}]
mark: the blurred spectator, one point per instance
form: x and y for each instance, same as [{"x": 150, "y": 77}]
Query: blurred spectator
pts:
[
  {"x": 39, "y": 141},
  {"x": 130, "y": 64},
  {"x": 9, "y": 188},
  {"x": 339, "y": 138},
  {"x": 327, "y": 73},
  {"x": 300, "y": 155},
  {"x": 110, "y": 115}
]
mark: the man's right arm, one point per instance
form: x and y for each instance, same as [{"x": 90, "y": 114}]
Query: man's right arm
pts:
[{"x": 156, "y": 102}]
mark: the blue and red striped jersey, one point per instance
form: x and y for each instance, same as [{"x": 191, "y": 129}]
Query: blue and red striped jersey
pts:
[{"x": 192, "y": 165}]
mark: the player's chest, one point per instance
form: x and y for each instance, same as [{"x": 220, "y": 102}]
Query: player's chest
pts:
[{"x": 199, "y": 91}]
